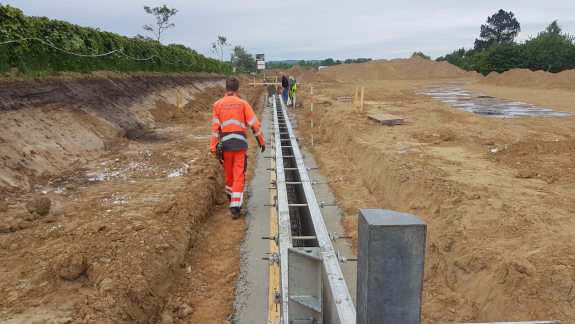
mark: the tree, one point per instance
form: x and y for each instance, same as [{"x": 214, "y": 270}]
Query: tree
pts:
[
  {"x": 501, "y": 28},
  {"x": 163, "y": 15},
  {"x": 218, "y": 46},
  {"x": 242, "y": 59},
  {"x": 461, "y": 58},
  {"x": 358, "y": 60},
  {"x": 420, "y": 54},
  {"x": 551, "y": 50},
  {"x": 327, "y": 62}
]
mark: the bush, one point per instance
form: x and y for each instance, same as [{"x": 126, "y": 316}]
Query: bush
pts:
[{"x": 32, "y": 54}]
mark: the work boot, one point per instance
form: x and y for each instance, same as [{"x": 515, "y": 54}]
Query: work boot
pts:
[{"x": 236, "y": 212}]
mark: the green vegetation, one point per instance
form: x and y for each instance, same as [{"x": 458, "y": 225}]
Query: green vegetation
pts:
[
  {"x": 358, "y": 60},
  {"x": 38, "y": 46},
  {"x": 420, "y": 54},
  {"x": 461, "y": 57},
  {"x": 501, "y": 28},
  {"x": 315, "y": 64},
  {"x": 551, "y": 50},
  {"x": 243, "y": 60}
]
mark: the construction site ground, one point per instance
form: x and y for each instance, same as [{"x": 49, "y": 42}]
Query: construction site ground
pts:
[
  {"x": 496, "y": 193},
  {"x": 139, "y": 229}
]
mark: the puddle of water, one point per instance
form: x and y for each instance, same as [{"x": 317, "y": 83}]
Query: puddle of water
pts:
[{"x": 481, "y": 104}]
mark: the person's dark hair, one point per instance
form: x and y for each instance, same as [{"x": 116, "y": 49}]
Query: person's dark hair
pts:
[{"x": 232, "y": 83}]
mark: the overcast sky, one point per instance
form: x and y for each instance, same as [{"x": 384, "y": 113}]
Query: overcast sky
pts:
[{"x": 312, "y": 30}]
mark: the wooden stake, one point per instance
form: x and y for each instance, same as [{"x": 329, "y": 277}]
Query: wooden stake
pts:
[
  {"x": 355, "y": 101},
  {"x": 311, "y": 115},
  {"x": 361, "y": 104}
]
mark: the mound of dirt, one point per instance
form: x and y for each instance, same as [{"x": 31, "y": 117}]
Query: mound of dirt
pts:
[
  {"x": 526, "y": 78},
  {"x": 397, "y": 69}
]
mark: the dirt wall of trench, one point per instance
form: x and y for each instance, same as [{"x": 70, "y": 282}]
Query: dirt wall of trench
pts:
[
  {"x": 128, "y": 207},
  {"x": 48, "y": 126}
]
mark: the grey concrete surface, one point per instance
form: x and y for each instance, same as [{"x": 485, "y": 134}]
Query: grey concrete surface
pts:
[
  {"x": 251, "y": 302},
  {"x": 391, "y": 256}
]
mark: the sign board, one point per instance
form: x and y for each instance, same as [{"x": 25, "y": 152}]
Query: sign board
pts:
[{"x": 261, "y": 59}]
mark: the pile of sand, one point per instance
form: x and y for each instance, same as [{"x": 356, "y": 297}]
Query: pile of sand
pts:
[
  {"x": 528, "y": 79},
  {"x": 397, "y": 69}
]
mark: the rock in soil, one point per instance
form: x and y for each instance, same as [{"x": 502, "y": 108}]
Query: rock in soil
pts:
[
  {"x": 524, "y": 174},
  {"x": 27, "y": 217},
  {"x": 5, "y": 243},
  {"x": 4, "y": 228},
  {"x": 70, "y": 266},
  {"x": 14, "y": 227},
  {"x": 184, "y": 311},
  {"x": 49, "y": 219},
  {"x": 24, "y": 225},
  {"x": 14, "y": 247},
  {"x": 70, "y": 186},
  {"x": 39, "y": 205}
]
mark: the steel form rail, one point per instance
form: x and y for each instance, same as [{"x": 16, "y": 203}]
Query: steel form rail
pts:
[
  {"x": 336, "y": 304},
  {"x": 284, "y": 226}
]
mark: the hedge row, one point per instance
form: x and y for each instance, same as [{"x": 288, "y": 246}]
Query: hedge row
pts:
[{"x": 33, "y": 57}]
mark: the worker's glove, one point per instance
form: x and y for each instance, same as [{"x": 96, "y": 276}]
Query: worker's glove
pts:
[
  {"x": 215, "y": 153},
  {"x": 263, "y": 148}
]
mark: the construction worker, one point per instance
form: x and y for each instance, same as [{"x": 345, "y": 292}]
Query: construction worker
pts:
[
  {"x": 285, "y": 85},
  {"x": 292, "y": 89},
  {"x": 231, "y": 118}
]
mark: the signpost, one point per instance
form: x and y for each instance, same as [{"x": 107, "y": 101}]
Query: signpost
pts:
[{"x": 261, "y": 61}]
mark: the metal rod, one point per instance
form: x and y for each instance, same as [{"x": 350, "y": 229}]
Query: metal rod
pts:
[
  {"x": 304, "y": 238},
  {"x": 297, "y": 205}
]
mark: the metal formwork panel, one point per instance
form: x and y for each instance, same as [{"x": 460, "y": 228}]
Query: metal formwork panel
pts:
[
  {"x": 336, "y": 304},
  {"x": 284, "y": 228}
]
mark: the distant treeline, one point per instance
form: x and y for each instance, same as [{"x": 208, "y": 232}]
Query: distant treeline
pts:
[
  {"x": 551, "y": 50},
  {"x": 315, "y": 64},
  {"x": 39, "y": 46}
]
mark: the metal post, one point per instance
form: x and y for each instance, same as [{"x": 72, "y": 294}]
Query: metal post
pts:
[{"x": 391, "y": 255}]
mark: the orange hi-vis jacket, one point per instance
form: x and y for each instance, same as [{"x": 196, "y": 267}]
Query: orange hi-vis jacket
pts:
[{"x": 232, "y": 116}]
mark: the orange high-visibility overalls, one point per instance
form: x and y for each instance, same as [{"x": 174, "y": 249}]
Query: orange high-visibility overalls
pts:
[{"x": 232, "y": 116}]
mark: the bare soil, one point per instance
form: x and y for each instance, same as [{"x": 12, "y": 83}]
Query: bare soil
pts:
[
  {"x": 500, "y": 225},
  {"x": 139, "y": 229}
]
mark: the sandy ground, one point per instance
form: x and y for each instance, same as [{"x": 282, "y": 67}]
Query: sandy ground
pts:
[
  {"x": 139, "y": 230},
  {"x": 500, "y": 243}
]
